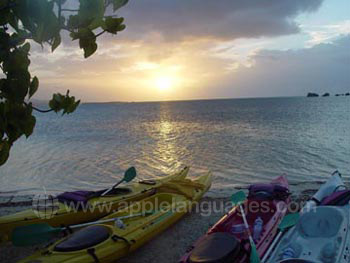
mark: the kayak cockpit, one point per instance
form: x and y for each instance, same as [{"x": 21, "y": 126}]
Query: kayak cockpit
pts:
[
  {"x": 320, "y": 224},
  {"x": 321, "y": 235},
  {"x": 216, "y": 247},
  {"x": 266, "y": 210},
  {"x": 85, "y": 238}
]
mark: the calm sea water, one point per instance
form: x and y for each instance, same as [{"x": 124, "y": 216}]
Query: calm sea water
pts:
[{"x": 241, "y": 141}]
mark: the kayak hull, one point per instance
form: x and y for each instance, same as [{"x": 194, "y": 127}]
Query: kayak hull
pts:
[
  {"x": 137, "y": 230},
  {"x": 271, "y": 212},
  {"x": 95, "y": 208},
  {"x": 322, "y": 232},
  {"x": 320, "y": 236}
]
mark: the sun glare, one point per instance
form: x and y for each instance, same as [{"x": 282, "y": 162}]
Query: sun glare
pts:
[{"x": 164, "y": 83}]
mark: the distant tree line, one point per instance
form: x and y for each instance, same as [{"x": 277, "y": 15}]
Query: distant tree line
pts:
[{"x": 311, "y": 94}]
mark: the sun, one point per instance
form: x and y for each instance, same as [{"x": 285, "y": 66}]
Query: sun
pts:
[{"x": 164, "y": 83}]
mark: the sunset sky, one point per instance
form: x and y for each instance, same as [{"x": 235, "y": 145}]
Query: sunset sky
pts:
[{"x": 200, "y": 49}]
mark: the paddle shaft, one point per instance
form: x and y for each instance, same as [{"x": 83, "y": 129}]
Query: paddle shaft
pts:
[
  {"x": 105, "y": 221},
  {"x": 247, "y": 226},
  {"x": 110, "y": 189},
  {"x": 272, "y": 246}
]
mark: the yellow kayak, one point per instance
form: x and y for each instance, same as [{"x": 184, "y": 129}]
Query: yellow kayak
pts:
[
  {"x": 94, "y": 209},
  {"x": 132, "y": 227}
]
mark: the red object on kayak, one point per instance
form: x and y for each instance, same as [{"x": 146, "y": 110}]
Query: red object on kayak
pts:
[{"x": 227, "y": 241}]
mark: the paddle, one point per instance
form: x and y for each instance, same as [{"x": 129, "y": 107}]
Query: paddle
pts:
[
  {"x": 287, "y": 222},
  {"x": 237, "y": 199},
  {"x": 40, "y": 233},
  {"x": 129, "y": 175}
]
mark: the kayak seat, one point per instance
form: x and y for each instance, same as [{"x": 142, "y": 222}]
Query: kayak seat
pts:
[
  {"x": 218, "y": 247},
  {"x": 85, "y": 238},
  {"x": 81, "y": 198},
  {"x": 324, "y": 223}
]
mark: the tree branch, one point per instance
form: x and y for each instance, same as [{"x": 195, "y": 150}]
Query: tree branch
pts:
[
  {"x": 42, "y": 111},
  {"x": 37, "y": 109},
  {"x": 99, "y": 34},
  {"x": 69, "y": 10}
]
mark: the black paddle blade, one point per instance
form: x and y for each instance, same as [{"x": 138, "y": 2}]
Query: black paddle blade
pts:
[{"x": 130, "y": 174}]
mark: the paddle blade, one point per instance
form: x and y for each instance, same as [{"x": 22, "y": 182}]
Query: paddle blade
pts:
[
  {"x": 33, "y": 234},
  {"x": 129, "y": 175},
  {"x": 254, "y": 256},
  {"x": 289, "y": 221},
  {"x": 238, "y": 198}
]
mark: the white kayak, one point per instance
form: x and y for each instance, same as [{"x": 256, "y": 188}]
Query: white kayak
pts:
[{"x": 322, "y": 234}]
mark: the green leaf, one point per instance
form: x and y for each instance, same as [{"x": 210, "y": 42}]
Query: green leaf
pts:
[
  {"x": 121, "y": 27},
  {"x": 90, "y": 11},
  {"x": 66, "y": 103},
  {"x": 29, "y": 126},
  {"x": 87, "y": 41},
  {"x": 96, "y": 23},
  {"x": 4, "y": 151},
  {"x": 56, "y": 42},
  {"x": 39, "y": 33},
  {"x": 33, "y": 86},
  {"x": 26, "y": 47},
  {"x": 73, "y": 22},
  {"x": 112, "y": 25},
  {"x": 74, "y": 35},
  {"x": 90, "y": 49},
  {"x": 13, "y": 21},
  {"x": 4, "y": 17}
]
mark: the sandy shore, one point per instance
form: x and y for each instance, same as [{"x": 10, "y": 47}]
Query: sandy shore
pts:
[{"x": 167, "y": 247}]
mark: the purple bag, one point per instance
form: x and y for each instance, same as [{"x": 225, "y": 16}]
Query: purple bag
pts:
[
  {"x": 268, "y": 191},
  {"x": 77, "y": 198},
  {"x": 339, "y": 198}
]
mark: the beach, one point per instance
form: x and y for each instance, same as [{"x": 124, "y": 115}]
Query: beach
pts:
[{"x": 168, "y": 247}]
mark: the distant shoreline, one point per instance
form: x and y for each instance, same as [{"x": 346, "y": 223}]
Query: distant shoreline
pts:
[
  {"x": 37, "y": 101},
  {"x": 193, "y": 100}
]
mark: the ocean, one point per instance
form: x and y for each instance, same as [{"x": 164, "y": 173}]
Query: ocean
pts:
[{"x": 242, "y": 141}]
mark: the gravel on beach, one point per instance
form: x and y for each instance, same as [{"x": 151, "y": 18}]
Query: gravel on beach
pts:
[{"x": 167, "y": 247}]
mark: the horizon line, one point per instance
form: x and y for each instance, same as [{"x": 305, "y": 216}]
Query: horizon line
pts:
[{"x": 185, "y": 100}]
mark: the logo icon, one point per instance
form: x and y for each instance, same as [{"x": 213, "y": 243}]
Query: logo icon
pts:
[{"x": 45, "y": 206}]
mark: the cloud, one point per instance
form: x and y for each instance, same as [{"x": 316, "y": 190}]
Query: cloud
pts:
[
  {"x": 327, "y": 33},
  {"x": 127, "y": 71},
  {"x": 322, "y": 68},
  {"x": 224, "y": 19},
  {"x": 212, "y": 56}
]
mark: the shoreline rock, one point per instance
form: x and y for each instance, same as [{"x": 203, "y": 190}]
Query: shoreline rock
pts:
[{"x": 312, "y": 95}]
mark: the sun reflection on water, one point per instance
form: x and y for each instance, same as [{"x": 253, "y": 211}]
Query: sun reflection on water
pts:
[{"x": 167, "y": 150}]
